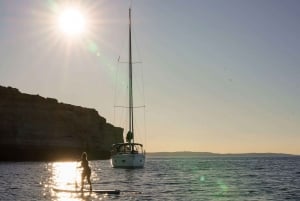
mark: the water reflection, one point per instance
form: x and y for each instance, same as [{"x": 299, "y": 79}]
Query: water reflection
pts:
[{"x": 67, "y": 176}]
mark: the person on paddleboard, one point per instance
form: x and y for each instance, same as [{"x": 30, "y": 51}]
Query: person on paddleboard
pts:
[{"x": 86, "y": 172}]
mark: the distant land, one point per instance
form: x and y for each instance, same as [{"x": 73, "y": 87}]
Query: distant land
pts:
[{"x": 210, "y": 154}]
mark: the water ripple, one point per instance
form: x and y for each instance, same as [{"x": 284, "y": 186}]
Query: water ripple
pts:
[{"x": 177, "y": 178}]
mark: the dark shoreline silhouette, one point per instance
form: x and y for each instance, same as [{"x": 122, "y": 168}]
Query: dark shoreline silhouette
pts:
[{"x": 34, "y": 128}]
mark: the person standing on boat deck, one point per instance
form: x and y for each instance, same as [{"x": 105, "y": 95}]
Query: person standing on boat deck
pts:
[{"x": 86, "y": 172}]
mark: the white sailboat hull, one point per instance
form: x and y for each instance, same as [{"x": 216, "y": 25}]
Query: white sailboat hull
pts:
[{"x": 128, "y": 160}]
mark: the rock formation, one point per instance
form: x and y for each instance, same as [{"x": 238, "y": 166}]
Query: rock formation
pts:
[{"x": 37, "y": 128}]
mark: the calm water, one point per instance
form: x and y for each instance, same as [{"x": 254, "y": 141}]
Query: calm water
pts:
[{"x": 176, "y": 178}]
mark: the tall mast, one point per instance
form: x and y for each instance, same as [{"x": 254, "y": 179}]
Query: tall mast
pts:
[{"x": 130, "y": 82}]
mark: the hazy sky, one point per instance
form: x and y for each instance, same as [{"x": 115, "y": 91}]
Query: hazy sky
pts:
[{"x": 219, "y": 76}]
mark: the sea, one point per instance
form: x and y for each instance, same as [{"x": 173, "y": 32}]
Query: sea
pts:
[{"x": 162, "y": 178}]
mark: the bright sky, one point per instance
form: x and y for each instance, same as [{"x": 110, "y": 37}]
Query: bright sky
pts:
[{"x": 219, "y": 76}]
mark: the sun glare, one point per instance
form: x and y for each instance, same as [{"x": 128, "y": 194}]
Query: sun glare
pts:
[
  {"x": 65, "y": 174},
  {"x": 72, "y": 21}
]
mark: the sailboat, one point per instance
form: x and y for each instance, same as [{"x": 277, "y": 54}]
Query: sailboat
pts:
[{"x": 129, "y": 154}]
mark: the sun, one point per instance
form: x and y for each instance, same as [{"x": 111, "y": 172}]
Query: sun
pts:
[{"x": 72, "y": 21}]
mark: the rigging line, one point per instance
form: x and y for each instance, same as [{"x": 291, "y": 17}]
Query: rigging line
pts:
[
  {"x": 142, "y": 66},
  {"x": 118, "y": 91},
  {"x": 138, "y": 130},
  {"x": 117, "y": 74},
  {"x": 144, "y": 99},
  {"x": 138, "y": 80},
  {"x": 126, "y": 62},
  {"x": 140, "y": 127},
  {"x": 145, "y": 128},
  {"x": 115, "y": 89},
  {"x": 142, "y": 106},
  {"x": 142, "y": 91},
  {"x": 121, "y": 119},
  {"x": 143, "y": 81}
]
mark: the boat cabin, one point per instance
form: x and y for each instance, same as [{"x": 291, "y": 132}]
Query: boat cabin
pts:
[{"x": 126, "y": 148}]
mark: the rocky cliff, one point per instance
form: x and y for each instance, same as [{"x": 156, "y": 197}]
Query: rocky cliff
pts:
[{"x": 37, "y": 128}]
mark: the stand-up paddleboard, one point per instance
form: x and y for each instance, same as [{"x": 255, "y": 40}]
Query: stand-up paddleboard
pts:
[{"x": 87, "y": 191}]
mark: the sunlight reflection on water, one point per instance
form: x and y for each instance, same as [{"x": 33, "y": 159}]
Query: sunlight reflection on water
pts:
[{"x": 67, "y": 176}]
